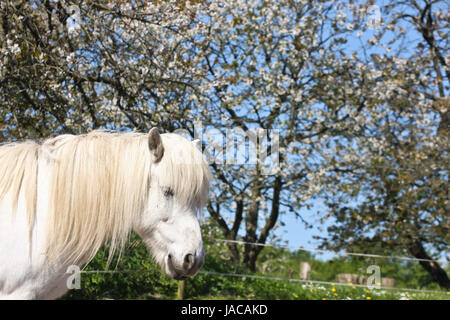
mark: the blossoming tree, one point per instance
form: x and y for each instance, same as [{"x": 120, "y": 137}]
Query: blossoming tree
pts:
[{"x": 350, "y": 123}]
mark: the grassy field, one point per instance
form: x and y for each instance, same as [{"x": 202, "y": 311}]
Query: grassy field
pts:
[
  {"x": 296, "y": 291},
  {"x": 155, "y": 286}
]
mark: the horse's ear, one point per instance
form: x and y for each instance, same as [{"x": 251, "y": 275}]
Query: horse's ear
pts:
[
  {"x": 198, "y": 144},
  {"x": 155, "y": 144}
]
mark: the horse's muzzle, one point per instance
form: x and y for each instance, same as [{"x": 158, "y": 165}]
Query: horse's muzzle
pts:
[{"x": 184, "y": 268}]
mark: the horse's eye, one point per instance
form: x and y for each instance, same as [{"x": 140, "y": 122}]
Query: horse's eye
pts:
[{"x": 168, "y": 192}]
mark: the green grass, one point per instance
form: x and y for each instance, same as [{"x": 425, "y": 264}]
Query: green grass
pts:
[
  {"x": 296, "y": 291},
  {"x": 151, "y": 284},
  {"x": 143, "y": 279}
]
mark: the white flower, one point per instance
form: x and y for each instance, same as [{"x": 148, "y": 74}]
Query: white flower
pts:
[{"x": 13, "y": 47}]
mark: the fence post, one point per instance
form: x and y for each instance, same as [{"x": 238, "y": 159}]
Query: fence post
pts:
[
  {"x": 180, "y": 293},
  {"x": 305, "y": 270}
]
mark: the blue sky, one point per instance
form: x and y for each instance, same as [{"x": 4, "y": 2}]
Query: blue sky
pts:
[{"x": 298, "y": 235}]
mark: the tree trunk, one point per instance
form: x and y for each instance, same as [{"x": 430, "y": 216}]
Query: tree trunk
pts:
[
  {"x": 250, "y": 226},
  {"x": 252, "y": 251},
  {"x": 250, "y": 258},
  {"x": 433, "y": 268},
  {"x": 235, "y": 256},
  {"x": 230, "y": 234}
]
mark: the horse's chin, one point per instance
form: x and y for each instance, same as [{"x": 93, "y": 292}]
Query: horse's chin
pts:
[
  {"x": 180, "y": 277},
  {"x": 172, "y": 268}
]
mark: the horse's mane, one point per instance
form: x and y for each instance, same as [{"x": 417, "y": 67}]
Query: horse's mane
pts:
[
  {"x": 98, "y": 185},
  {"x": 18, "y": 171}
]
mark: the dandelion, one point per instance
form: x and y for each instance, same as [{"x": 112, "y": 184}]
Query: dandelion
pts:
[
  {"x": 332, "y": 283},
  {"x": 335, "y": 294},
  {"x": 350, "y": 284},
  {"x": 354, "y": 287},
  {"x": 368, "y": 298},
  {"x": 367, "y": 291},
  {"x": 324, "y": 298}
]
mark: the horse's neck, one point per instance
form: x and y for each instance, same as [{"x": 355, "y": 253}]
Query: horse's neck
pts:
[{"x": 20, "y": 256}]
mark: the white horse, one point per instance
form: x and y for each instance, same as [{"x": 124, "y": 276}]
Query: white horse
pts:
[{"x": 62, "y": 200}]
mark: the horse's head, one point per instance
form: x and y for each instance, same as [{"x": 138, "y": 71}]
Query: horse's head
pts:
[{"x": 179, "y": 182}]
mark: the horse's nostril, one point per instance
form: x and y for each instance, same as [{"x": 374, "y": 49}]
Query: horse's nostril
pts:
[{"x": 189, "y": 261}]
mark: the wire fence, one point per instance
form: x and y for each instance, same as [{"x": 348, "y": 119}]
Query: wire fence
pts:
[
  {"x": 315, "y": 282},
  {"x": 367, "y": 255},
  {"x": 307, "y": 282},
  {"x": 252, "y": 276}
]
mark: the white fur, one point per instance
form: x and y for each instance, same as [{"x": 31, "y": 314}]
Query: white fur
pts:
[{"x": 43, "y": 236}]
